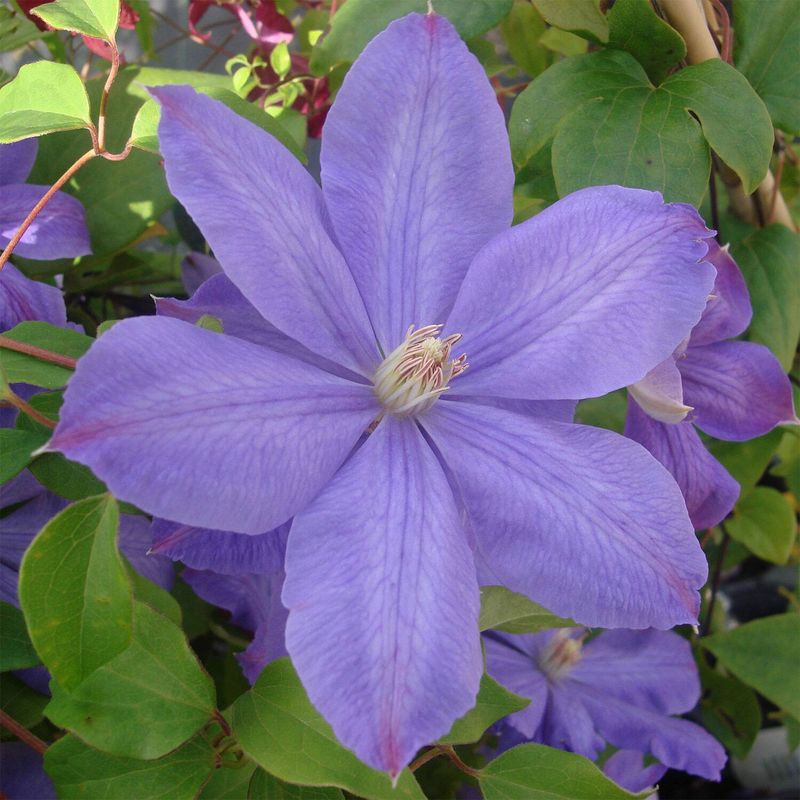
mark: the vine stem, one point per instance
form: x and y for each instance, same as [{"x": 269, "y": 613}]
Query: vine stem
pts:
[
  {"x": 688, "y": 17},
  {"x": 717, "y": 579},
  {"x": 7, "y": 343},
  {"x": 85, "y": 158},
  {"x": 15, "y": 400},
  {"x": 22, "y": 733},
  {"x": 112, "y": 76}
]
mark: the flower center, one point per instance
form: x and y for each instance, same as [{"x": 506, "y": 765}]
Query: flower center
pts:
[
  {"x": 413, "y": 375},
  {"x": 560, "y": 655}
]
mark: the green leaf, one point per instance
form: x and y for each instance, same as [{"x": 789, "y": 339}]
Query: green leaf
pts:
[
  {"x": 746, "y": 461},
  {"x": 764, "y": 522},
  {"x": 275, "y": 721},
  {"x": 16, "y": 447},
  {"x": 770, "y": 261},
  {"x": 788, "y": 453},
  {"x": 735, "y": 121},
  {"x": 536, "y": 772},
  {"x": 74, "y": 591},
  {"x": 229, "y": 783},
  {"x": 17, "y": 651},
  {"x": 280, "y": 60},
  {"x": 145, "y": 126},
  {"x": 729, "y": 710},
  {"x": 16, "y": 30},
  {"x": 96, "y": 18},
  {"x": 80, "y": 771},
  {"x": 43, "y": 98},
  {"x": 358, "y": 21},
  {"x": 579, "y": 16},
  {"x": 609, "y": 124},
  {"x": 153, "y": 595},
  {"x": 23, "y": 368},
  {"x": 66, "y": 478},
  {"x": 155, "y": 686},
  {"x": 522, "y": 29},
  {"x": 766, "y": 50},
  {"x": 764, "y": 654},
  {"x": 635, "y": 27},
  {"x": 21, "y": 702},
  {"x": 608, "y": 411},
  {"x": 514, "y": 613},
  {"x": 494, "y": 702},
  {"x": 264, "y": 786}
]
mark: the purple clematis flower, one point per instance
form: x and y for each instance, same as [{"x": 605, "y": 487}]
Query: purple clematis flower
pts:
[
  {"x": 59, "y": 231},
  {"x": 734, "y": 391},
  {"x": 370, "y": 290},
  {"x": 621, "y": 688}
]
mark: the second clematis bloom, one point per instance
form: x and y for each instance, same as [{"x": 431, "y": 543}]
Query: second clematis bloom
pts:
[
  {"x": 400, "y": 380},
  {"x": 731, "y": 390},
  {"x": 621, "y": 688}
]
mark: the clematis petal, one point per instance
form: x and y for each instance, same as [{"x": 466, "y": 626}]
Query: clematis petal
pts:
[
  {"x": 580, "y": 519},
  {"x": 23, "y": 776},
  {"x": 584, "y": 298},
  {"x": 265, "y": 219},
  {"x": 677, "y": 743},
  {"x": 559, "y": 410},
  {"x": 221, "y": 551},
  {"x": 20, "y": 488},
  {"x": 728, "y": 311},
  {"x": 738, "y": 389},
  {"x": 218, "y": 297},
  {"x": 16, "y": 161},
  {"x": 627, "y": 768},
  {"x": 254, "y": 601},
  {"x": 416, "y": 171},
  {"x": 18, "y": 529},
  {"x": 59, "y": 231},
  {"x": 568, "y": 724},
  {"x": 707, "y": 487},
  {"x": 134, "y": 542},
  {"x": 196, "y": 269},
  {"x": 206, "y": 429},
  {"x": 660, "y": 393},
  {"x": 383, "y": 600},
  {"x": 22, "y": 299},
  {"x": 648, "y": 669},
  {"x": 509, "y": 661}
]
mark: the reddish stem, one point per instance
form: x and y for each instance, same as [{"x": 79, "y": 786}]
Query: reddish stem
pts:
[
  {"x": 112, "y": 75},
  {"x": 37, "y": 352},
  {"x": 22, "y": 733},
  {"x": 26, "y": 408}
]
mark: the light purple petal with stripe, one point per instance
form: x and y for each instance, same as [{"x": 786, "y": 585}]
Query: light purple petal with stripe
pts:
[
  {"x": 584, "y": 298},
  {"x": 16, "y": 160},
  {"x": 383, "y": 601},
  {"x": 581, "y": 520},
  {"x": 707, "y": 487},
  {"x": 221, "y": 551},
  {"x": 59, "y": 231},
  {"x": 728, "y": 311},
  {"x": 738, "y": 390},
  {"x": 206, "y": 429},
  {"x": 510, "y": 660},
  {"x": 648, "y": 669},
  {"x": 218, "y": 297},
  {"x": 627, "y": 768},
  {"x": 196, "y": 269},
  {"x": 416, "y": 171},
  {"x": 254, "y": 601},
  {"x": 676, "y": 743},
  {"x": 569, "y": 725},
  {"x": 22, "y": 300},
  {"x": 134, "y": 542},
  {"x": 265, "y": 219}
]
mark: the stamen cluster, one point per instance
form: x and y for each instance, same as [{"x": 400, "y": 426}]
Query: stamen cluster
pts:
[
  {"x": 415, "y": 373},
  {"x": 561, "y": 654}
]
